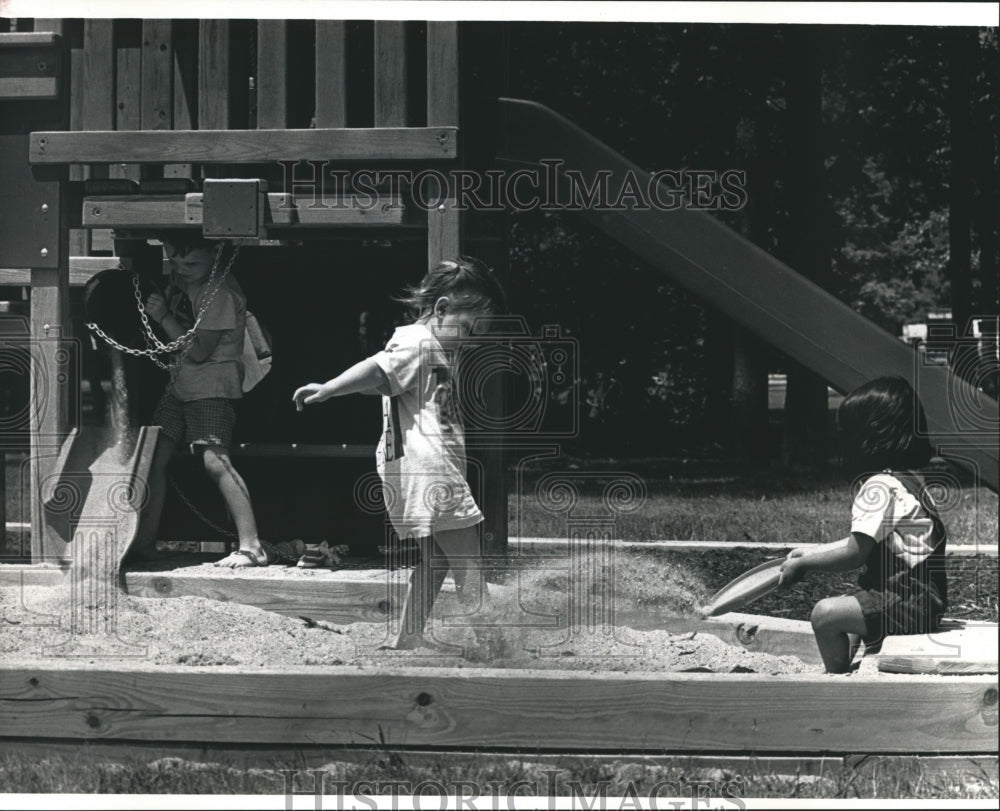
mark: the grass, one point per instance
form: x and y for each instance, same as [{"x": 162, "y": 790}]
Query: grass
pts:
[
  {"x": 727, "y": 505},
  {"x": 489, "y": 774}
]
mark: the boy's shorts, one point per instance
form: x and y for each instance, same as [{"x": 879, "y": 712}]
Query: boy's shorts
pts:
[
  {"x": 207, "y": 422},
  {"x": 887, "y": 613}
]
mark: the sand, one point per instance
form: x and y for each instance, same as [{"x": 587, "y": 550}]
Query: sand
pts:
[{"x": 39, "y": 625}]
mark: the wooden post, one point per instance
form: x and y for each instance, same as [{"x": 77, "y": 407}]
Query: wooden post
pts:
[
  {"x": 79, "y": 239},
  {"x": 272, "y": 74},
  {"x": 98, "y": 91},
  {"x": 390, "y": 74},
  {"x": 49, "y": 422},
  {"x": 331, "y": 74},
  {"x": 442, "y": 110}
]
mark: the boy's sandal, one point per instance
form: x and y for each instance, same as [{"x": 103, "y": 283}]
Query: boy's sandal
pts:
[{"x": 254, "y": 559}]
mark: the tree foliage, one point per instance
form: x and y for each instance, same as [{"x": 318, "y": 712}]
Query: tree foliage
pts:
[{"x": 716, "y": 97}]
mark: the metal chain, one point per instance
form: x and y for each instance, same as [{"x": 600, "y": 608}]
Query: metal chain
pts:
[
  {"x": 181, "y": 344},
  {"x": 208, "y": 521}
]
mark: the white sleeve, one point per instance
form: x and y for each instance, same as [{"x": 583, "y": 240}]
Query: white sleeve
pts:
[
  {"x": 868, "y": 513},
  {"x": 400, "y": 360}
]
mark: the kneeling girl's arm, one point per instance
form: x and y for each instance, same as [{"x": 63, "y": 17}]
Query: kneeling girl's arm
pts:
[{"x": 841, "y": 556}]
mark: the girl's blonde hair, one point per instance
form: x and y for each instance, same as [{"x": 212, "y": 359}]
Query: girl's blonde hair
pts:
[{"x": 466, "y": 276}]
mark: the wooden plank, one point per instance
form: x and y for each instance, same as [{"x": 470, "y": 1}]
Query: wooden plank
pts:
[
  {"x": 81, "y": 269},
  {"x": 99, "y": 82},
  {"x": 561, "y": 710},
  {"x": 41, "y": 574},
  {"x": 331, "y": 74},
  {"x": 49, "y": 34},
  {"x": 970, "y": 648},
  {"x": 185, "y": 62},
  {"x": 128, "y": 82},
  {"x": 953, "y": 550},
  {"x": 244, "y": 146},
  {"x": 157, "y": 108},
  {"x": 29, "y": 88},
  {"x": 285, "y": 211},
  {"x": 390, "y": 74},
  {"x": 99, "y": 105},
  {"x": 272, "y": 74},
  {"x": 214, "y": 77},
  {"x": 442, "y": 74},
  {"x": 133, "y": 211},
  {"x": 321, "y": 595}
]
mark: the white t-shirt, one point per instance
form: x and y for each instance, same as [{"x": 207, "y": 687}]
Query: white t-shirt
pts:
[
  {"x": 889, "y": 513},
  {"x": 421, "y": 455}
]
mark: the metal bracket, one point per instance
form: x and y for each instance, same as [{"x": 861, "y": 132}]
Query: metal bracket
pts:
[{"x": 234, "y": 208}]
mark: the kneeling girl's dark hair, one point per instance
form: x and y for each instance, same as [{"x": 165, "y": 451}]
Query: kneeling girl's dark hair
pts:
[{"x": 882, "y": 426}]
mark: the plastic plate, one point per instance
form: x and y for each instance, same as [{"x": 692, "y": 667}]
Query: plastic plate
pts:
[{"x": 746, "y": 588}]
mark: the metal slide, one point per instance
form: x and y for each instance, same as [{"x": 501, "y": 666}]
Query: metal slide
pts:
[{"x": 756, "y": 290}]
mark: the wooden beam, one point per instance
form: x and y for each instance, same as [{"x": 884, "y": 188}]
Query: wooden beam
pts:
[
  {"x": 283, "y": 211},
  {"x": 954, "y": 550},
  {"x": 342, "y": 597},
  {"x": 968, "y": 648},
  {"x": 479, "y": 707},
  {"x": 29, "y": 88},
  {"x": 244, "y": 146},
  {"x": 331, "y": 74},
  {"x": 272, "y": 74},
  {"x": 442, "y": 74},
  {"x": 81, "y": 269},
  {"x": 390, "y": 74},
  {"x": 214, "y": 76},
  {"x": 48, "y": 34},
  {"x": 41, "y": 574}
]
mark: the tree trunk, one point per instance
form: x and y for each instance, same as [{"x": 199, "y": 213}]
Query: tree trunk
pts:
[
  {"x": 806, "y": 434},
  {"x": 748, "y": 425},
  {"x": 961, "y": 51},
  {"x": 749, "y": 428}
]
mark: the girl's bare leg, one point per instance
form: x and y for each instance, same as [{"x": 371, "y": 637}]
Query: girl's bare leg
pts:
[
  {"x": 425, "y": 583},
  {"x": 838, "y": 622},
  {"x": 456, "y": 549},
  {"x": 234, "y": 490},
  {"x": 462, "y": 549}
]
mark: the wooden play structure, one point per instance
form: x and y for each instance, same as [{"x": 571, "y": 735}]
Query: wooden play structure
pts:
[{"x": 117, "y": 130}]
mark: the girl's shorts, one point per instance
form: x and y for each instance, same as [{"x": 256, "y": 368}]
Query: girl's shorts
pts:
[
  {"x": 208, "y": 423},
  {"x": 887, "y": 613}
]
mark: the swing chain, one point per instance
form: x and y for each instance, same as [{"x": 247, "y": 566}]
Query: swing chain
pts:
[{"x": 181, "y": 344}]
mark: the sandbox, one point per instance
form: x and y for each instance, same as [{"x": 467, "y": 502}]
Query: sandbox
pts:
[{"x": 190, "y": 669}]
